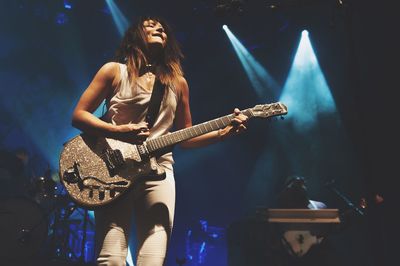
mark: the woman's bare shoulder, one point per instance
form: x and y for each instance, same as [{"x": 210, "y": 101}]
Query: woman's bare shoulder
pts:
[{"x": 110, "y": 68}]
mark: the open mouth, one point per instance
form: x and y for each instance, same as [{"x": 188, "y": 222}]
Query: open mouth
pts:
[{"x": 157, "y": 35}]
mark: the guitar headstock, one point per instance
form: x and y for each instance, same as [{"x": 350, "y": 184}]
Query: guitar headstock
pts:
[{"x": 269, "y": 110}]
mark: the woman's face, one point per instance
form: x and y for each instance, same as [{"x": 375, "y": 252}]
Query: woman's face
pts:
[{"x": 155, "y": 32}]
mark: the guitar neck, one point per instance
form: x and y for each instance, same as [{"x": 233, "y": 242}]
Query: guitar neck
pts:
[{"x": 173, "y": 138}]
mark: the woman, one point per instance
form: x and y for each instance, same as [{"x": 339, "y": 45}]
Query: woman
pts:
[{"x": 148, "y": 50}]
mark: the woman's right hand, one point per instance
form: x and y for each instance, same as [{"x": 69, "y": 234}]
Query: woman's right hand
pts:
[{"x": 132, "y": 133}]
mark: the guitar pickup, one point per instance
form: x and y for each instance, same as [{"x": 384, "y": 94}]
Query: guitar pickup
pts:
[{"x": 114, "y": 160}]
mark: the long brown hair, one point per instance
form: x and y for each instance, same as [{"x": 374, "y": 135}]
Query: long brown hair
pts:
[{"x": 133, "y": 48}]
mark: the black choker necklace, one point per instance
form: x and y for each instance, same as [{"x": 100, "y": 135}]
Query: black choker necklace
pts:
[{"x": 149, "y": 68}]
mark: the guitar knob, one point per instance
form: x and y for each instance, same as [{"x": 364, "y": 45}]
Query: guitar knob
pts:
[
  {"x": 112, "y": 191},
  {"x": 101, "y": 193},
  {"x": 90, "y": 191}
]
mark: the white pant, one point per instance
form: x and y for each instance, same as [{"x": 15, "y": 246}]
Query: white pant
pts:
[{"x": 153, "y": 205}]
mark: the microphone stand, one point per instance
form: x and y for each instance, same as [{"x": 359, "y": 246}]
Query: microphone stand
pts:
[
  {"x": 345, "y": 199},
  {"x": 61, "y": 231}
]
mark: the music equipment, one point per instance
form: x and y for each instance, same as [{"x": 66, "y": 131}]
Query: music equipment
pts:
[
  {"x": 43, "y": 191},
  {"x": 303, "y": 228},
  {"x": 23, "y": 228},
  {"x": 96, "y": 171}
]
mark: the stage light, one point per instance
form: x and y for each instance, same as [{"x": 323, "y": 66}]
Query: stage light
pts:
[
  {"x": 306, "y": 92},
  {"x": 61, "y": 18},
  {"x": 263, "y": 83},
  {"x": 67, "y": 4},
  {"x": 224, "y": 27},
  {"x": 129, "y": 260},
  {"x": 119, "y": 19}
]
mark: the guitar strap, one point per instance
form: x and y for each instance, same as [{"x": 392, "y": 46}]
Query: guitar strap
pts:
[{"x": 155, "y": 102}]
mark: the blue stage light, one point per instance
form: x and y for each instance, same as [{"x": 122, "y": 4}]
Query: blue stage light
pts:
[
  {"x": 61, "y": 18},
  {"x": 262, "y": 82},
  {"x": 67, "y": 4},
  {"x": 306, "y": 92}
]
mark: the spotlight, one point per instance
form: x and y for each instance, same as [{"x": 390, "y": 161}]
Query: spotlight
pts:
[{"x": 67, "y": 4}]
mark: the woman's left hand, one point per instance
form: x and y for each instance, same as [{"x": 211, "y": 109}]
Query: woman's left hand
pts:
[{"x": 237, "y": 125}]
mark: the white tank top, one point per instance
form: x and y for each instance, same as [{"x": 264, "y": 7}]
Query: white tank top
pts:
[{"x": 129, "y": 104}]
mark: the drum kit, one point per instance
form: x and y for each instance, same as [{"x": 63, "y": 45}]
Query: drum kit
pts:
[{"x": 41, "y": 221}]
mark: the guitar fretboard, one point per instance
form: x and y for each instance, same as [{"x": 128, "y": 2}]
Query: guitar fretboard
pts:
[{"x": 191, "y": 132}]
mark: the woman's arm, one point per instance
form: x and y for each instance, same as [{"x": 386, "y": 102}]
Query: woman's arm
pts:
[
  {"x": 183, "y": 119},
  {"x": 100, "y": 87}
]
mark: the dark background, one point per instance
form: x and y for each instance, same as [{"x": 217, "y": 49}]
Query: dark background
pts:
[{"x": 45, "y": 66}]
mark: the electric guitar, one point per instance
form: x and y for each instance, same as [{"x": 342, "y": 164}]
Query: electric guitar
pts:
[{"x": 96, "y": 171}]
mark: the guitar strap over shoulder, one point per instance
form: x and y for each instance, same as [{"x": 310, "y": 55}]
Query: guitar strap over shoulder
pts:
[{"x": 155, "y": 102}]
